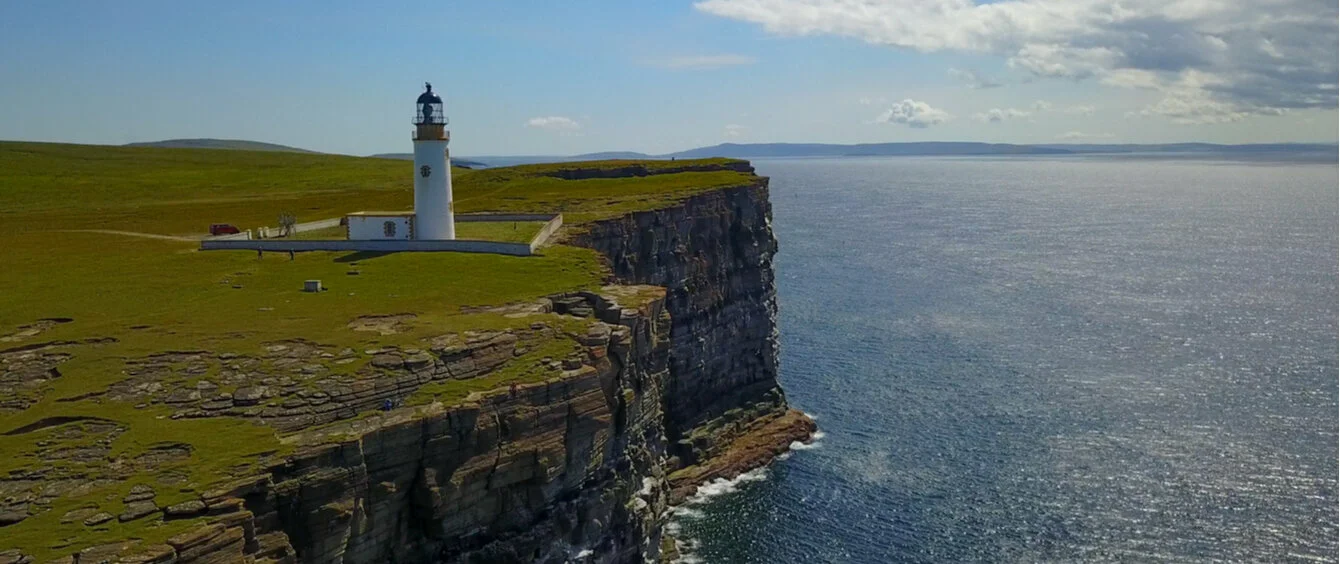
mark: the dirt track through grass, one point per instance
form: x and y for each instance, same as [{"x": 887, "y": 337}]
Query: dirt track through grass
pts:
[{"x": 131, "y": 234}]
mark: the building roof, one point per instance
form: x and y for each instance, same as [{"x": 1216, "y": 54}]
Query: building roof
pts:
[
  {"x": 428, "y": 97},
  {"x": 381, "y": 213}
]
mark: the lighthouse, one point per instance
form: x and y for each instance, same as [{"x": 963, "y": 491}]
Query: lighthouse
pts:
[{"x": 433, "y": 219}]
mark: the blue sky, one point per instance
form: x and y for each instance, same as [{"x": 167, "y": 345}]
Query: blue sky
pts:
[{"x": 580, "y": 76}]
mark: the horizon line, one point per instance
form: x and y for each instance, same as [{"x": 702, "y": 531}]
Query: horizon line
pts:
[{"x": 1335, "y": 144}]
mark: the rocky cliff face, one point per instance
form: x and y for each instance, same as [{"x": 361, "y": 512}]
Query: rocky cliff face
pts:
[
  {"x": 567, "y": 469},
  {"x": 542, "y": 472},
  {"x": 675, "y": 383},
  {"x": 713, "y": 254}
]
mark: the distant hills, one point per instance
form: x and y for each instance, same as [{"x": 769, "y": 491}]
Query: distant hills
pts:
[
  {"x": 244, "y": 145},
  {"x": 611, "y": 155},
  {"x": 1309, "y": 151},
  {"x": 863, "y": 150},
  {"x": 967, "y": 149},
  {"x": 234, "y": 144},
  {"x": 759, "y": 150},
  {"x": 410, "y": 156},
  {"x": 1197, "y": 148}
]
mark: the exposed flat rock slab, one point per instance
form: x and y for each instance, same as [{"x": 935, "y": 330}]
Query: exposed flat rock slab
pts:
[{"x": 137, "y": 509}]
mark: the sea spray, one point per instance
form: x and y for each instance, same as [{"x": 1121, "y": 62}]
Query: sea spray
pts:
[
  {"x": 709, "y": 491},
  {"x": 798, "y": 445},
  {"x": 723, "y": 486},
  {"x": 686, "y": 546}
]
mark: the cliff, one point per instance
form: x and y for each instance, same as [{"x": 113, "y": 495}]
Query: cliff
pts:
[
  {"x": 553, "y": 471},
  {"x": 713, "y": 255},
  {"x": 622, "y": 400}
]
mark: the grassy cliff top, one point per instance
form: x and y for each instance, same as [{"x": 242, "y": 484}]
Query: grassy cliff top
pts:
[
  {"x": 208, "y": 143},
  {"x": 181, "y": 191},
  {"x": 105, "y": 288}
]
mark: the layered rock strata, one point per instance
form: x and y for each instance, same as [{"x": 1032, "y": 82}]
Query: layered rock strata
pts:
[
  {"x": 675, "y": 388},
  {"x": 713, "y": 255},
  {"x": 565, "y": 469}
]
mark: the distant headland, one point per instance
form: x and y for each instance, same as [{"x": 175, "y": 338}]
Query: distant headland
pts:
[{"x": 1311, "y": 151}]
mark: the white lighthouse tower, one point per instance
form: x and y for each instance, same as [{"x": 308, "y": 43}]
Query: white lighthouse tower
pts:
[{"x": 433, "y": 219}]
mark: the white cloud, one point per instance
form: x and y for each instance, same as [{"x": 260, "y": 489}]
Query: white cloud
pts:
[
  {"x": 1251, "y": 57},
  {"x": 1042, "y": 106},
  {"x": 974, "y": 79},
  {"x": 997, "y": 115},
  {"x": 734, "y": 130},
  {"x": 697, "y": 62},
  {"x": 1132, "y": 78},
  {"x": 1057, "y": 61},
  {"x": 1074, "y": 135},
  {"x": 913, "y": 114},
  {"x": 1195, "y": 108},
  {"x": 1188, "y": 100},
  {"x": 554, "y": 123}
]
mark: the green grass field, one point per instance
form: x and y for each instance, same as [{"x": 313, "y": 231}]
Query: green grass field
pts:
[
  {"x": 181, "y": 191},
  {"x": 152, "y": 295},
  {"x": 504, "y": 231}
]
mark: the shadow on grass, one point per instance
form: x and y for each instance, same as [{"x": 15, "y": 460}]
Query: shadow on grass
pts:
[{"x": 363, "y": 255}]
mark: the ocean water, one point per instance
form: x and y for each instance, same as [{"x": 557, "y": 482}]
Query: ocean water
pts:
[{"x": 1048, "y": 360}]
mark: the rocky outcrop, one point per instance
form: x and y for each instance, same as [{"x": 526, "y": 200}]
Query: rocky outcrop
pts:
[
  {"x": 292, "y": 385},
  {"x": 541, "y": 472},
  {"x": 713, "y": 255}
]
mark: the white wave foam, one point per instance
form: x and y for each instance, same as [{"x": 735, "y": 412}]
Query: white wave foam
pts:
[
  {"x": 723, "y": 486},
  {"x": 785, "y": 455},
  {"x": 797, "y": 445},
  {"x": 706, "y": 492},
  {"x": 812, "y": 416},
  {"x": 813, "y": 444},
  {"x": 688, "y": 512}
]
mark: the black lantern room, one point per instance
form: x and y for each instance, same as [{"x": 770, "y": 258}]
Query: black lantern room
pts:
[{"x": 428, "y": 109}]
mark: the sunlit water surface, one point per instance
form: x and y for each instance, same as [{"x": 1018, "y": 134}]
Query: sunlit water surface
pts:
[{"x": 1042, "y": 360}]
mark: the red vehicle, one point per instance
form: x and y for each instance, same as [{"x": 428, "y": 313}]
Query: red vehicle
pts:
[{"x": 223, "y": 229}]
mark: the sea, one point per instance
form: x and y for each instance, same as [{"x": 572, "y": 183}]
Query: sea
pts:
[{"x": 1066, "y": 359}]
